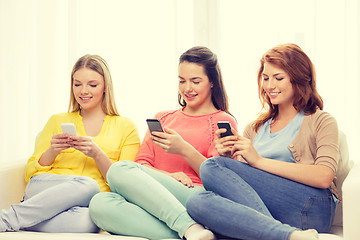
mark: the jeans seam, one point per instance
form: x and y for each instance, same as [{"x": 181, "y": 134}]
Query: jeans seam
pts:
[
  {"x": 241, "y": 184},
  {"x": 304, "y": 211},
  {"x": 308, "y": 205}
]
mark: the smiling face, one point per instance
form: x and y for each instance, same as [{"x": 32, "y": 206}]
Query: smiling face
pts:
[
  {"x": 195, "y": 88},
  {"x": 88, "y": 89},
  {"x": 277, "y": 85}
]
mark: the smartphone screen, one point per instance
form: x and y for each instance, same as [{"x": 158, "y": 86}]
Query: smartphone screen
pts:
[
  {"x": 154, "y": 125},
  {"x": 227, "y": 126},
  {"x": 69, "y": 128}
]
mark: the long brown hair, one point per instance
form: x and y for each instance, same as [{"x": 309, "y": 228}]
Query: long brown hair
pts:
[
  {"x": 293, "y": 60},
  {"x": 206, "y": 58},
  {"x": 97, "y": 64}
]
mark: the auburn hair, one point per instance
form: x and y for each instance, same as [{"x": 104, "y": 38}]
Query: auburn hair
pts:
[{"x": 293, "y": 60}]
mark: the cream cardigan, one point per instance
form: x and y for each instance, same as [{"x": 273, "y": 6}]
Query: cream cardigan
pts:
[{"x": 315, "y": 143}]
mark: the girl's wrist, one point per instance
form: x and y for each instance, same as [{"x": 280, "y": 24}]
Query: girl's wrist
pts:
[
  {"x": 101, "y": 154},
  {"x": 186, "y": 150},
  {"x": 257, "y": 163}
]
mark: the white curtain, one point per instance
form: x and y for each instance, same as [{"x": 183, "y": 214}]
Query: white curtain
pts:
[
  {"x": 40, "y": 40},
  {"x": 141, "y": 40}
]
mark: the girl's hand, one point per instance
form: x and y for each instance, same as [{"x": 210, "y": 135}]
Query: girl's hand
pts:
[
  {"x": 85, "y": 145},
  {"x": 245, "y": 151},
  {"x": 183, "y": 178},
  {"x": 224, "y": 145},
  {"x": 170, "y": 141},
  {"x": 60, "y": 142}
]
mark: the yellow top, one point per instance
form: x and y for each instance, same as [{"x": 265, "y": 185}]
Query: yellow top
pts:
[{"x": 118, "y": 138}]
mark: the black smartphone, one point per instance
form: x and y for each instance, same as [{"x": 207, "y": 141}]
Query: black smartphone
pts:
[
  {"x": 227, "y": 126},
  {"x": 154, "y": 125}
]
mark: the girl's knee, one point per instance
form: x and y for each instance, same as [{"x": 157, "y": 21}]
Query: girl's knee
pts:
[
  {"x": 103, "y": 202},
  {"x": 103, "y": 205},
  {"x": 210, "y": 161},
  {"x": 207, "y": 166},
  {"x": 196, "y": 200},
  {"x": 196, "y": 205},
  {"x": 86, "y": 186},
  {"x": 97, "y": 203},
  {"x": 118, "y": 172},
  {"x": 118, "y": 168}
]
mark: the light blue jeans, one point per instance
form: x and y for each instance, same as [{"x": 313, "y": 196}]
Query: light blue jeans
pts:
[
  {"x": 53, "y": 203},
  {"x": 143, "y": 203},
  {"x": 247, "y": 203}
]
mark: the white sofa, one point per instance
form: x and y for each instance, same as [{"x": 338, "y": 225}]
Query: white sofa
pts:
[
  {"x": 12, "y": 187},
  {"x": 346, "y": 225}
]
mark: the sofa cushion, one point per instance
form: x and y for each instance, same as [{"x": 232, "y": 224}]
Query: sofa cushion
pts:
[
  {"x": 25, "y": 235},
  {"x": 12, "y": 184},
  {"x": 344, "y": 166}
]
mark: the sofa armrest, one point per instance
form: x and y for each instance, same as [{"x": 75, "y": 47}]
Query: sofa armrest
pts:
[
  {"x": 351, "y": 206},
  {"x": 12, "y": 184}
]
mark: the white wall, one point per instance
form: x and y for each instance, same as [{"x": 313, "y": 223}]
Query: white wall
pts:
[
  {"x": 141, "y": 40},
  {"x": 328, "y": 31}
]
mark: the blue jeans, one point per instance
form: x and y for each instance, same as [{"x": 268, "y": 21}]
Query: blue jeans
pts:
[
  {"x": 53, "y": 203},
  {"x": 247, "y": 203},
  {"x": 143, "y": 203}
]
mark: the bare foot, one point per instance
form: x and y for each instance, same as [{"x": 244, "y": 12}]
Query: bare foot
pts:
[{"x": 310, "y": 234}]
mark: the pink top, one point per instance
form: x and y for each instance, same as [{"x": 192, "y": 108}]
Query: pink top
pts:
[{"x": 199, "y": 131}]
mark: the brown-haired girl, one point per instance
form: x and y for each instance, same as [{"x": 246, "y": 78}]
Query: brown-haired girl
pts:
[
  {"x": 149, "y": 195},
  {"x": 277, "y": 180}
]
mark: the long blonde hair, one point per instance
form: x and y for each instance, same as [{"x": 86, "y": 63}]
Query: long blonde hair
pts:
[{"x": 97, "y": 64}]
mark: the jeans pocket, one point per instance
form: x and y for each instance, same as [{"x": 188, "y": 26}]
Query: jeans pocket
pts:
[{"x": 318, "y": 213}]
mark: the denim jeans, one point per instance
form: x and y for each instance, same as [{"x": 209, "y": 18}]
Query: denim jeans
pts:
[
  {"x": 143, "y": 203},
  {"x": 53, "y": 203},
  {"x": 248, "y": 203}
]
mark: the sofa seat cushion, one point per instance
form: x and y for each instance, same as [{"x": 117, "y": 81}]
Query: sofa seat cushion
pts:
[{"x": 27, "y": 235}]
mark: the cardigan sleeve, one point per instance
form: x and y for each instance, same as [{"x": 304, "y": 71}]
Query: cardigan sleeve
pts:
[
  {"x": 327, "y": 138},
  {"x": 249, "y": 132},
  {"x": 317, "y": 141}
]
